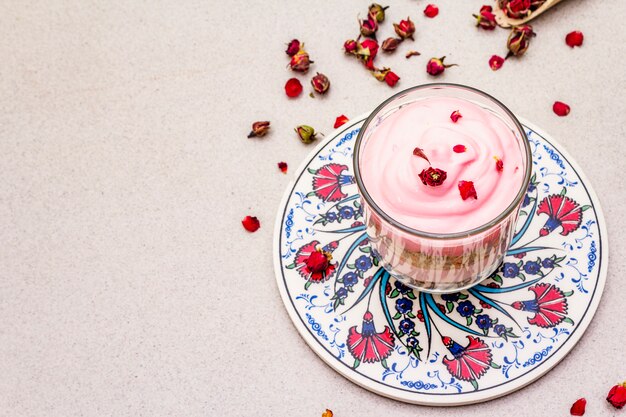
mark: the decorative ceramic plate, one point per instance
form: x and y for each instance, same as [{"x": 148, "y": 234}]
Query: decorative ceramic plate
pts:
[{"x": 452, "y": 349}]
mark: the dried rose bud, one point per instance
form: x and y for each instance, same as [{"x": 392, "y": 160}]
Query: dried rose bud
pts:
[
  {"x": 318, "y": 261},
  {"x": 293, "y": 88},
  {"x": 251, "y": 224},
  {"x": 390, "y": 44},
  {"x": 560, "y": 109},
  {"x": 617, "y": 395},
  {"x": 259, "y": 129},
  {"x": 578, "y": 408},
  {"x": 485, "y": 18},
  {"x": 412, "y": 53},
  {"x": 283, "y": 167},
  {"x": 405, "y": 29},
  {"x": 574, "y": 38},
  {"x": 340, "y": 120},
  {"x": 293, "y": 47},
  {"x": 377, "y": 12},
  {"x": 431, "y": 11},
  {"x": 455, "y": 116},
  {"x": 496, "y": 62},
  {"x": 320, "y": 83},
  {"x": 367, "y": 49},
  {"x": 435, "y": 66},
  {"x": 306, "y": 133},
  {"x": 467, "y": 190},
  {"x": 433, "y": 176},
  {"x": 368, "y": 27},
  {"x": 300, "y": 62},
  {"x": 350, "y": 46},
  {"x": 517, "y": 9},
  {"x": 391, "y": 78},
  {"x": 519, "y": 39}
]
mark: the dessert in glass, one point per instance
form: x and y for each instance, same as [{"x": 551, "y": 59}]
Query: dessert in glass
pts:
[{"x": 442, "y": 170}]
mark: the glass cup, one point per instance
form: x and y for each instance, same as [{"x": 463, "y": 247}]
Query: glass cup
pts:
[{"x": 439, "y": 262}]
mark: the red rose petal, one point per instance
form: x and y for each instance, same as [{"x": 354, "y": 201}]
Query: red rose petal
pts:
[
  {"x": 431, "y": 11},
  {"x": 420, "y": 152},
  {"x": 496, "y": 62},
  {"x": 574, "y": 38},
  {"x": 391, "y": 78},
  {"x": 499, "y": 164},
  {"x": 560, "y": 109},
  {"x": 283, "y": 167},
  {"x": 617, "y": 395},
  {"x": 455, "y": 116},
  {"x": 486, "y": 8},
  {"x": 459, "y": 148},
  {"x": 340, "y": 120},
  {"x": 251, "y": 223},
  {"x": 578, "y": 408},
  {"x": 293, "y": 87},
  {"x": 467, "y": 190}
]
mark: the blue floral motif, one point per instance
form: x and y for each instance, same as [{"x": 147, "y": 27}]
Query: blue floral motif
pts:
[
  {"x": 363, "y": 263},
  {"x": 342, "y": 292},
  {"x": 452, "y": 297},
  {"x": 499, "y": 329},
  {"x": 346, "y": 212},
  {"x": 510, "y": 270},
  {"x": 350, "y": 279},
  {"x": 532, "y": 268},
  {"x": 331, "y": 216},
  {"x": 465, "y": 308},
  {"x": 404, "y": 305},
  {"x": 592, "y": 256},
  {"x": 548, "y": 263},
  {"x": 483, "y": 321},
  {"x": 401, "y": 287},
  {"x": 407, "y": 326}
]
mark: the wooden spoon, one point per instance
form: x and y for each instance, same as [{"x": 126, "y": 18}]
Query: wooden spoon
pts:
[{"x": 506, "y": 22}]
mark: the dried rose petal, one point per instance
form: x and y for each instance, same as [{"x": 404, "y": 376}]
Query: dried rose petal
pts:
[
  {"x": 306, "y": 133},
  {"x": 455, "y": 116},
  {"x": 435, "y": 66},
  {"x": 433, "y": 176},
  {"x": 431, "y": 11},
  {"x": 578, "y": 408},
  {"x": 283, "y": 167},
  {"x": 390, "y": 44},
  {"x": 318, "y": 261},
  {"x": 391, "y": 78},
  {"x": 486, "y": 8},
  {"x": 340, "y": 120},
  {"x": 420, "y": 152},
  {"x": 368, "y": 47},
  {"x": 293, "y": 87},
  {"x": 617, "y": 395},
  {"x": 467, "y": 190},
  {"x": 496, "y": 62},
  {"x": 293, "y": 47},
  {"x": 412, "y": 53},
  {"x": 499, "y": 164},
  {"x": 259, "y": 129},
  {"x": 300, "y": 62},
  {"x": 251, "y": 223},
  {"x": 459, "y": 148},
  {"x": 368, "y": 27},
  {"x": 574, "y": 38},
  {"x": 328, "y": 413},
  {"x": 405, "y": 29},
  {"x": 369, "y": 64},
  {"x": 350, "y": 46},
  {"x": 560, "y": 109},
  {"x": 320, "y": 83},
  {"x": 517, "y": 9},
  {"x": 519, "y": 40},
  {"x": 377, "y": 12}
]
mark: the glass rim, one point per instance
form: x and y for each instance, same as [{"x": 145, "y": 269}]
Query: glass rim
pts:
[{"x": 442, "y": 236}]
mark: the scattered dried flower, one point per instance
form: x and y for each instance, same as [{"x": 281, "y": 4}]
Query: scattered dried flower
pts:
[
  {"x": 420, "y": 152},
  {"x": 516, "y": 9},
  {"x": 431, "y": 11},
  {"x": 293, "y": 88},
  {"x": 459, "y": 148},
  {"x": 485, "y": 19},
  {"x": 306, "y": 133},
  {"x": 391, "y": 78},
  {"x": 617, "y": 395},
  {"x": 560, "y": 109},
  {"x": 433, "y": 176},
  {"x": 574, "y": 38},
  {"x": 390, "y": 44},
  {"x": 251, "y": 224},
  {"x": 499, "y": 164},
  {"x": 300, "y": 62},
  {"x": 496, "y": 62},
  {"x": 350, "y": 46},
  {"x": 283, "y": 167},
  {"x": 435, "y": 66},
  {"x": 368, "y": 27},
  {"x": 467, "y": 190},
  {"x": 405, "y": 29},
  {"x": 328, "y": 413},
  {"x": 377, "y": 12},
  {"x": 368, "y": 48},
  {"x": 455, "y": 116},
  {"x": 259, "y": 129},
  {"x": 412, "y": 53},
  {"x": 578, "y": 408},
  {"x": 293, "y": 47},
  {"x": 320, "y": 83},
  {"x": 519, "y": 40},
  {"x": 340, "y": 120}
]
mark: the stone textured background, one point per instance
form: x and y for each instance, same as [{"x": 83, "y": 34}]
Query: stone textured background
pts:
[{"x": 127, "y": 284}]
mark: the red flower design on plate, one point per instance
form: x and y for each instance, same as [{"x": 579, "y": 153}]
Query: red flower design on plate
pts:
[
  {"x": 549, "y": 306},
  {"x": 314, "y": 262},
  {"x": 469, "y": 363},
  {"x": 329, "y": 180},
  {"x": 562, "y": 211},
  {"x": 368, "y": 345}
]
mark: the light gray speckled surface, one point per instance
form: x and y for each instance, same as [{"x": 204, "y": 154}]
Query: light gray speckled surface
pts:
[{"x": 127, "y": 285}]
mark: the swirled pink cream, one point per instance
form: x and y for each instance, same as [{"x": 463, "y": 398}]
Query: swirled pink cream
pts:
[{"x": 390, "y": 171}]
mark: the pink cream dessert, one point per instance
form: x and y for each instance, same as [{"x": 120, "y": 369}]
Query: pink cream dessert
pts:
[{"x": 466, "y": 150}]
